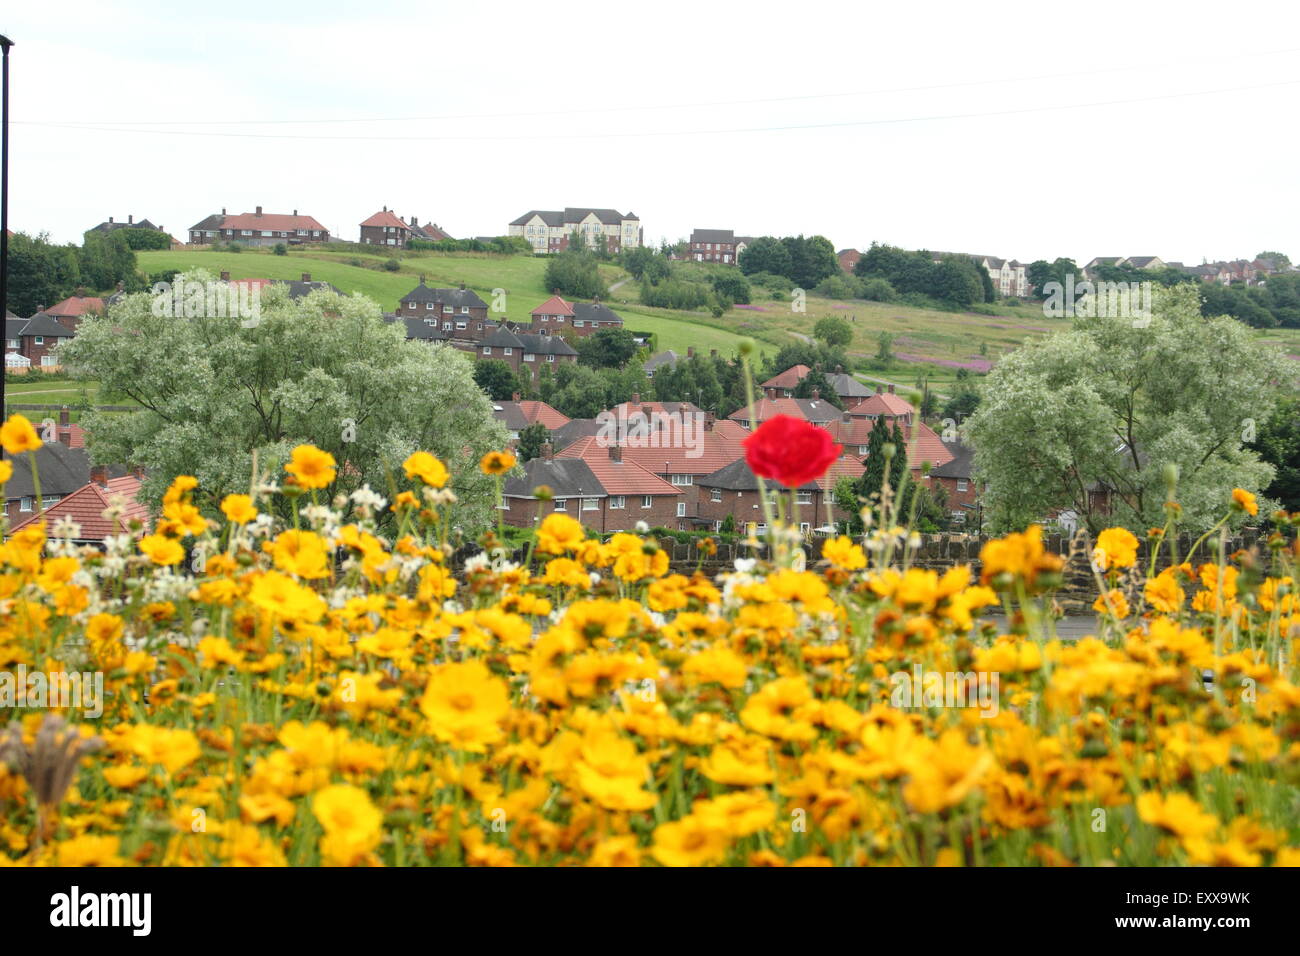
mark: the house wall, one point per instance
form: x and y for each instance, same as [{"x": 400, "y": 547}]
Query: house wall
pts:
[{"x": 661, "y": 513}]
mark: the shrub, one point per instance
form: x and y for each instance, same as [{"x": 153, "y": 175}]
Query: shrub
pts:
[{"x": 392, "y": 265}]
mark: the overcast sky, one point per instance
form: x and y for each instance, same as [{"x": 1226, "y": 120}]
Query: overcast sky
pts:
[{"x": 1020, "y": 130}]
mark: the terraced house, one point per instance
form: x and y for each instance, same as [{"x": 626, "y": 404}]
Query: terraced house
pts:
[
  {"x": 258, "y": 229},
  {"x": 450, "y": 310},
  {"x": 386, "y": 228},
  {"x": 717, "y": 245},
  {"x": 549, "y": 230},
  {"x": 605, "y": 492}
]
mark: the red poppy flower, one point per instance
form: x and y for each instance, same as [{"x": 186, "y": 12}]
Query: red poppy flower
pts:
[{"x": 790, "y": 451}]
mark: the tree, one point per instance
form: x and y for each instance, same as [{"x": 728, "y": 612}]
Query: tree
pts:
[
  {"x": 531, "y": 440},
  {"x": 732, "y": 285},
  {"x": 765, "y": 254},
  {"x": 575, "y": 273},
  {"x": 1088, "y": 419},
  {"x": 608, "y": 348},
  {"x": 818, "y": 385},
  {"x": 40, "y": 273},
  {"x": 325, "y": 370},
  {"x": 496, "y": 378},
  {"x": 834, "y": 331},
  {"x": 885, "y": 347},
  {"x": 106, "y": 260},
  {"x": 1278, "y": 442},
  {"x": 1281, "y": 260}
]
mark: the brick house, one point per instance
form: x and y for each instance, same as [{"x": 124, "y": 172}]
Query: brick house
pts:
[
  {"x": 552, "y": 316},
  {"x": 455, "y": 310},
  {"x": 517, "y": 415},
  {"x": 733, "y": 490},
  {"x": 86, "y": 506},
  {"x": 384, "y": 228},
  {"x": 848, "y": 258},
  {"x": 956, "y": 477},
  {"x": 589, "y": 317},
  {"x": 70, "y": 311},
  {"x": 63, "y": 469},
  {"x": 847, "y": 388},
  {"x": 884, "y": 404},
  {"x": 606, "y": 494},
  {"x": 40, "y": 336},
  {"x": 715, "y": 245},
  {"x": 112, "y": 226},
  {"x": 812, "y": 410},
  {"x": 258, "y": 229},
  {"x": 548, "y": 231}
]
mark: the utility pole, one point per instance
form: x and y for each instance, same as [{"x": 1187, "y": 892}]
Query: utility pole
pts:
[{"x": 5, "y": 44}]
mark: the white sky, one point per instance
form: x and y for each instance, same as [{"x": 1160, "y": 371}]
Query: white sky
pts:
[{"x": 896, "y": 154}]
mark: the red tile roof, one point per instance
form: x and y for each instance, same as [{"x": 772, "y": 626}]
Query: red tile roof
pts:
[
  {"x": 86, "y": 507},
  {"x": 789, "y": 378},
  {"x": 625, "y": 477},
  {"x": 77, "y": 305},
  {"x": 846, "y": 466},
  {"x": 76, "y": 435},
  {"x": 715, "y": 451},
  {"x": 924, "y": 445},
  {"x": 534, "y": 412},
  {"x": 555, "y": 305},
  {"x": 852, "y": 433},
  {"x": 274, "y": 222},
  {"x": 883, "y": 403},
  {"x": 809, "y": 409},
  {"x": 386, "y": 218}
]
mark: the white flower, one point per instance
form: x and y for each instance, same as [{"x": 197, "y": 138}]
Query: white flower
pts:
[
  {"x": 642, "y": 527},
  {"x": 746, "y": 565}
]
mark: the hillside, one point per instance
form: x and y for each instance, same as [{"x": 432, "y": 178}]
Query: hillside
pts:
[{"x": 928, "y": 344}]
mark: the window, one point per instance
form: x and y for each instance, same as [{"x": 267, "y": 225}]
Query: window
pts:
[
  {"x": 49, "y": 501},
  {"x": 561, "y": 504},
  {"x": 461, "y": 326},
  {"x": 448, "y": 309},
  {"x": 446, "y": 326},
  {"x": 25, "y": 504},
  {"x": 508, "y": 350},
  {"x": 40, "y": 340},
  {"x": 681, "y": 509},
  {"x": 578, "y": 323},
  {"x": 715, "y": 494},
  {"x": 683, "y": 479},
  {"x": 646, "y": 501},
  {"x": 487, "y": 350},
  {"x": 529, "y": 357},
  {"x": 590, "y": 504},
  {"x": 14, "y": 344},
  {"x": 464, "y": 310},
  {"x": 48, "y": 360},
  {"x": 428, "y": 305},
  {"x": 505, "y": 503},
  {"x": 550, "y": 358},
  {"x": 618, "y": 501},
  {"x": 804, "y": 498},
  {"x": 961, "y": 484}
]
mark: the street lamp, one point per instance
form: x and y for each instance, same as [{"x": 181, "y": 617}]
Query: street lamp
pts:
[{"x": 5, "y": 44}]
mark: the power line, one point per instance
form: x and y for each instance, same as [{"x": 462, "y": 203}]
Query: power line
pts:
[
  {"x": 113, "y": 124},
  {"x": 942, "y": 117}
]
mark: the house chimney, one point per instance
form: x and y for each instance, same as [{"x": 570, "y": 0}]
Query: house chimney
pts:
[
  {"x": 616, "y": 452},
  {"x": 99, "y": 475},
  {"x": 891, "y": 389},
  {"x": 295, "y": 212},
  {"x": 137, "y": 471},
  {"x": 415, "y": 222},
  {"x": 879, "y": 389},
  {"x": 259, "y": 211},
  {"x": 306, "y": 277},
  {"x": 385, "y": 209},
  {"x": 223, "y": 210},
  {"x": 514, "y": 397},
  {"x": 462, "y": 285},
  {"x": 771, "y": 392},
  {"x": 225, "y": 276},
  {"x": 110, "y": 219},
  {"x": 548, "y": 451},
  {"x": 709, "y": 421},
  {"x": 130, "y": 219},
  {"x": 636, "y": 398},
  {"x": 817, "y": 394},
  {"x": 421, "y": 278},
  {"x": 65, "y": 416}
]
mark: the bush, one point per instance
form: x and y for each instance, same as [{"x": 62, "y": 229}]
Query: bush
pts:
[
  {"x": 878, "y": 290},
  {"x": 281, "y": 249},
  {"x": 234, "y": 247},
  {"x": 392, "y": 265}
]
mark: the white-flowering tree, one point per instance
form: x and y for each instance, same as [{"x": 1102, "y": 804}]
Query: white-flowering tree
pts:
[
  {"x": 325, "y": 370},
  {"x": 1109, "y": 404}
]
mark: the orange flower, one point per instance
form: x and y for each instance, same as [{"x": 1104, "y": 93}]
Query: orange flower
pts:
[
  {"x": 17, "y": 435},
  {"x": 311, "y": 467},
  {"x": 497, "y": 462},
  {"x": 428, "y": 469}
]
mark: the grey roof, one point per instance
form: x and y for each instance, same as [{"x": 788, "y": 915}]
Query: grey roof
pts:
[
  {"x": 660, "y": 359},
  {"x": 452, "y": 297},
  {"x": 62, "y": 469},
  {"x": 566, "y": 477},
  {"x": 713, "y": 235},
  {"x": 552, "y": 217},
  {"x": 42, "y": 324},
  {"x": 210, "y": 224},
  {"x": 961, "y": 465},
  {"x": 817, "y": 409},
  {"x": 298, "y": 288},
  {"x": 595, "y": 312},
  {"x": 610, "y": 217},
  {"x": 545, "y": 344},
  {"x": 1141, "y": 262},
  {"x": 846, "y": 386},
  {"x": 738, "y": 476},
  {"x": 14, "y": 326},
  {"x": 502, "y": 337},
  {"x": 114, "y": 226},
  {"x": 566, "y": 435}
]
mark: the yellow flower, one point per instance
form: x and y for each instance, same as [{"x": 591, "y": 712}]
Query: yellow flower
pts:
[
  {"x": 610, "y": 770},
  {"x": 842, "y": 553},
  {"x": 691, "y": 841},
  {"x": 558, "y": 534},
  {"x": 162, "y": 550},
  {"x": 17, "y": 435},
  {"x": 428, "y": 469},
  {"x": 1112, "y": 603},
  {"x": 6, "y": 471},
  {"x": 1178, "y": 813},
  {"x": 1163, "y": 592},
  {"x": 172, "y": 749},
  {"x": 1241, "y": 500},
  {"x": 87, "y": 850},
  {"x": 279, "y": 594},
  {"x": 1116, "y": 548},
  {"x": 465, "y": 705},
  {"x": 352, "y": 824},
  {"x": 616, "y": 851},
  {"x": 719, "y": 665},
  {"x": 497, "y": 462},
  {"x": 238, "y": 508},
  {"x": 302, "y": 553},
  {"x": 311, "y": 467}
]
